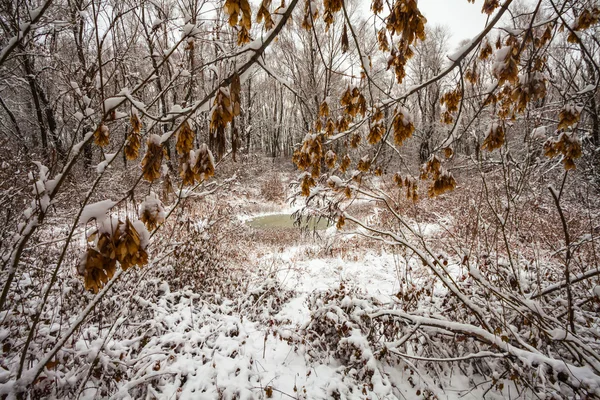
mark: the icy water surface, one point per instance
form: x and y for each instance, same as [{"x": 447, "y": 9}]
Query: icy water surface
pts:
[{"x": 284, "y": 221}]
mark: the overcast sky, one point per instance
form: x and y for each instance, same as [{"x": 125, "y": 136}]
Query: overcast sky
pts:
[{"x": 464, "y": 19}]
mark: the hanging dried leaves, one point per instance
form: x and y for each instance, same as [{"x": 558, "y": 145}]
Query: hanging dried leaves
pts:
[
  {"x": 132, "y": 147},
  {"x": 568, "y": 116},
  {"x": 398, "y": 59},
  {"x": 489, "y": 6},
  {"x": 203, "y": 163},
  {"x": 330, "y": 159},
  {"x": 264, "y": 14},
  {"x": 240, "y": 14},
  {"x": 345, "y": 43},
  {"x": 586, "y": 19},
  {"x": 375, "y": 133},
  {"x": 324, "y": 109},
  {"x": 330, "y": 7},
  {"x": 505, "y": 68},
  {"x": 531, "y": 87},
  {"x": 152, "y": 212},
  {"x": 403, "y": 125},
  {"x": 353, "y": 102},
  {"x": 221, "y": 115},
  {"x": 124, "y": 242},
  {"x": 340, "y": 222},
  {"x": 129, "y": 251},
  {"x": 136, "y": 124},
  {"x": 329, "y": 127},
  {"x": 410, "y": 184},
  {"x": 101, "y": 135},
  {"x": 310, "y": 155},
  {"x": 185, "y": 139},
  {"x": 96, "y": 270},
  {"x": 364, "y": 164},
  {"x": 153, "y": 159},
  {"x": 407, "y": 21},
  {"x": 345, "y": 163},
  {"x": 306, "y": 183},
  {"x": 443, "y": 181},
  {"x": 377, "y": 6},
  {"x": 566, "y": 145},
  {"x": 494, "y": 138},
  {"x": 486, "y": 50},
  {"x": 451, "y": 100},
  {"x": 310, "y": 13}
]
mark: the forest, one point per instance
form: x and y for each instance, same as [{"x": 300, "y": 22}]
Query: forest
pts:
[{"x": 305, "y": 199}]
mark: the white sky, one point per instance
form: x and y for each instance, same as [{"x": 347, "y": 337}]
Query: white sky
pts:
[{"x": 464, "y": 19}]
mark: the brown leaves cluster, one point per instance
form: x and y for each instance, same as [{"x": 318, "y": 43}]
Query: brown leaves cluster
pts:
[
  {"x": 198, "y": 166},
  {"x": 377, "y": 6},
  {"x": 101, "y": 135},
  {"x": 264, "y": 14},
  {"x": 330, "y": 7},
  {"x": 119, "y": 243},
  {"x": 489, "y": 6},
  {"x": 203, "y": 163},
  {"x": 398, "y": 59},
  {"x": 568, "y": 116},
  {"x": 410, "y": 184},
  {"x": 325, "y": 119},
  {"x": 240, "y": 14},
  {"x": 377, "y": 130},
  {"x": 364, "y": 164},
  {"x": 376, "y": 133},
  {"x": 152, "y": 212},
  {"x": 506, "y": 66},
  {"x": 451, "y": 100},
  {"x": 310, "y": 14},
  {"x": 222, "y": 114},
  {"x": 153, "y": 158},
  {"x": 226, "y": 106},
  {"x": 134, "y": 140},
  {"x": 382, "y": 40},
  {"x": 353, "y": 102},
  {"x": 443, "y": 181},
  {"x": 185, "y": 139},
  {"x": 345, "y": 163},
  {"x": 531, "y": 87},
  {"x": 566, "y": 145},
  {"x": 330, "y": 159},
  {"x": 486, "y": 50},
  {"x": 403, "y": 125},
  {"x": 586, "y": 19},
  {"x": 309, "y": 157},
  {"x": 406, "y": 20},
  {"x": 495, "y": 137}
]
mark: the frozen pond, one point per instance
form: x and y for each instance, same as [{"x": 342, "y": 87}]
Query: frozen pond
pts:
[{"x": 285, "y": 221}]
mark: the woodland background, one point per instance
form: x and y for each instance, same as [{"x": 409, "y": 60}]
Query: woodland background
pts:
[{"x": 461, "y": 185}]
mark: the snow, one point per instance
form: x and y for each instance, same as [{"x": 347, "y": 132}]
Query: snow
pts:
[
  {"x": 155, "y": 139},
  {"x": 143, "y": 232},
  {"x": 156, "y": 24},
  {"x": 153, "y": 206},
  {"x": 102, "y": 166},
  {"x": 539, "y": 133},
  {"x": 112, "y": 103},
  {"x": 459, "y": 53},
  {"x": 97, "y": 211}
]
